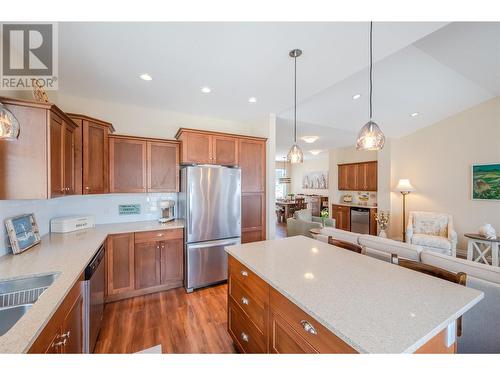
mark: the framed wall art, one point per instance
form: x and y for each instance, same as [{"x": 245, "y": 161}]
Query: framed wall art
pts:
[{"x": 486, "y": 181}]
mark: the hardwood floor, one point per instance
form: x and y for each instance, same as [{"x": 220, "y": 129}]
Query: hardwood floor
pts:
[
  {"x": 180, "y": 322},
  {"x": 280, "y": 230}
]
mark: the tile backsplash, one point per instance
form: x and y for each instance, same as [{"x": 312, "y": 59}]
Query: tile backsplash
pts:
[{"x": 105, "y": 209}]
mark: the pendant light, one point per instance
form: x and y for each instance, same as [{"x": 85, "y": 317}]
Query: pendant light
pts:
[
  {"x": 370, "y": 137},
  {"x": 295, "y": 155},
  {"x": 284, "y": 179},
  {"x": 9, "y": 126}
]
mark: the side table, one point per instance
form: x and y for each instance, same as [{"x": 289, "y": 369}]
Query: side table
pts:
[{"x": 479, "y": 245}]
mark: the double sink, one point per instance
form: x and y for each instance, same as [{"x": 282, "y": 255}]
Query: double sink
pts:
[{"x": 17, "y": 296}]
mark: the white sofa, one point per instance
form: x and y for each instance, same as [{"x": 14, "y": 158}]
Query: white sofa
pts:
[
  {"x": 481, "y": 324},
  {"x": 433, "y": 231}
]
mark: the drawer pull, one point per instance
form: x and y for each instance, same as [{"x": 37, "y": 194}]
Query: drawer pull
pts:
[
  {"x": 60, "y": 343},
  {"x": 244, "y": 273},
  {"x": 308, "y": 327},
  {"x": 65, "y": 335},
  {"x": 159, "y": 235},
  {"x": 244, "y": 336},
  {"x": 244, "y": 300}
]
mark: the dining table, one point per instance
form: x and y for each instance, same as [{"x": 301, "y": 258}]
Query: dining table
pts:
[{"x": 288, "y": 206}]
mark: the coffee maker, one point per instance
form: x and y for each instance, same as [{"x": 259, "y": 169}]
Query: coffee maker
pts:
[{"x": 167, "y": 210}]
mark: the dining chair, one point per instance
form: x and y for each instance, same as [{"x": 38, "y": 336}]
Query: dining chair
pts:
[
  {"x": 459, "y": 278},
  {"x": 345, "y": 245}
]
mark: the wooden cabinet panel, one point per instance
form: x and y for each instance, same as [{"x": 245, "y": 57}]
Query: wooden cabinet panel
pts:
[
  {"x": 253, "y": 208},
  {"x": 69, "y": 160},
  {"x": 372, "y": 176},
  {"x": 72, "y": 328},
  {"x": 54, "y": 338},
  {"x": 253, "y": 306},
  {"x": 56, "y": 157},
  {"x": 225, "y": 150},
  {"x": 196, "y": 148},
  {"x": 120, "y": 263},
  {"x": 172, "y": 261},
  {"x": 361, "y": 171},
  {"x": 284, "y": 340},
  {"x": 352, "y": 179},
  {"x": 127, "y": 165},
  {"x": 252, "y": 155},
  {"x": 244, "y": 333},
  {"x": 342, "y": 177},
  {"x": 253, "y": 284},
  {"x": 323, "y": 340},
  {"x": 342, "y": 216},
  {"x": 373, "y": 222},
  {"x": 147, "y": 264},
  {"x": 95, "y": 159},
  {"x": 163, "y": 167}
]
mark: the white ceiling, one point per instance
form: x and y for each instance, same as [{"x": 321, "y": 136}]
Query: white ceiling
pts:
[
  {"x": 452, "y": 69},
  {"x": 436, "y": 69}
]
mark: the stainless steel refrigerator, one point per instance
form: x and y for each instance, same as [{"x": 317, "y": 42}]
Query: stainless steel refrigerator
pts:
[{"x": 210, "y": 203}]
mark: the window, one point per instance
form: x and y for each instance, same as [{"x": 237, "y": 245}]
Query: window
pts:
[{"x": 281, "y": 189}]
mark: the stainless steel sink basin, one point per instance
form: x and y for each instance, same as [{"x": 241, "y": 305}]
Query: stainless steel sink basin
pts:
[
  {"x": 18, "y": 295},
  {"x": 10, "y": 315}
]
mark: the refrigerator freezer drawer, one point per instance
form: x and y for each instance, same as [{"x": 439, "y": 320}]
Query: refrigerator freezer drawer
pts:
[{"x": 206, "y": 262}]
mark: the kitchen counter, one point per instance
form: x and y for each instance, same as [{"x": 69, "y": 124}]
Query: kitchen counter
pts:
[
  {"x": 355, "y": 205},
  {"x": 67, "y": 254},
  {"x": 372, "y": 305}
]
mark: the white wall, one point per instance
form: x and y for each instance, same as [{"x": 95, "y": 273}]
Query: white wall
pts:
[
  {"x": 103, "y": 207},
  {"x": 297, "y": 172},
  {"x": 438, "y": 159}
]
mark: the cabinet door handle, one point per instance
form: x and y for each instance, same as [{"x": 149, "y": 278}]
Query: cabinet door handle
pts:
[
  {"x": 159, "y": 235},
  {"x": 66, "y": 335},
  {"x": 244, "y": 273},
  {"x": 244, "y": 300},
  {"x": 87, "y": 188},
  {"x": 244, "y": 336},
  {"x": 60, "y": 343},
  {"x": 308, "y": 327}
]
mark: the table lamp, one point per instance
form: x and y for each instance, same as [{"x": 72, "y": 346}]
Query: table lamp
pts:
[{"x": 405, "y": 188}]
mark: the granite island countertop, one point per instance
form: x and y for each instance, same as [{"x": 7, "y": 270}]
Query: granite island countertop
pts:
[
  {"x": 68, "y": 254},
  {"x": 374, "y": 306}
]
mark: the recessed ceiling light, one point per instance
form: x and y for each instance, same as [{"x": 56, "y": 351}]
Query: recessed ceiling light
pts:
[
  {"x": 310, "y": 138},
  {"x": 414, "y": 114},
  {"x": 356, "y": 97},
  {"x": 253, "y": 99},
  {"x": 309, "y": 275},
  {"x": 315, "y": 152},
  {"x": 206, "y": 89},
  {"x": 146, "y": 77}
]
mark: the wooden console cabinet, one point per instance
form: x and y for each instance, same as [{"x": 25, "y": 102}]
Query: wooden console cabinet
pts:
[
  {"x": 63, "y": 334},
  {"x": 40, "y": 163},
  {"x": 144, "y": 262},
  {"x": 91, "y": 154},
  {"x": 249, "y": 153},
  {"x": 140, "y": 165},
  {"x": 342, "y": 216},
  {"x": 358, "y": 176}
]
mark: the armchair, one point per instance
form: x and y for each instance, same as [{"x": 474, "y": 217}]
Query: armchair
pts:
[
  {"x": 433, "y": 231},
  {"x": 303, "y": 221}
]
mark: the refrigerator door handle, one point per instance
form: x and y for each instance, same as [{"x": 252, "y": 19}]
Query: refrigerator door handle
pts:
[
  {"x": 189, "y": 204},
  {"x": 232, "y": 241}
]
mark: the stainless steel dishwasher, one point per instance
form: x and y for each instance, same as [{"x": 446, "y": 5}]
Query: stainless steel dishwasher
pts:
[
  {"x": 360, "y": 220},
  {"x": 93, "y": 300}
]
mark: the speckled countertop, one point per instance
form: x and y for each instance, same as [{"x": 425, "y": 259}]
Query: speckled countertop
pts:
[
  {"x": 67, "y": 254},
  {"x": 374, "y": 306}
]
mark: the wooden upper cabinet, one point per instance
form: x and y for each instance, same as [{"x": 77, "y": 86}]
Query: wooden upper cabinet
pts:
[
  {"x": 358, "y": 176},
  {"x": 163, "y": 166},
  {"x": 253, "y": 165},
  {"x": 224, "y": 150},
  {"x": 37, "y": 164},
  {"x": 196, "y": 148},
  {"x": 127, "y": 162},
  {"x": 92, "y": 156}
]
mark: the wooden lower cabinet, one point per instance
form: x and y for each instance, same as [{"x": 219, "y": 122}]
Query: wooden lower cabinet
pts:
[
  {"x": 144, "y": 262},
  {"x": 284, "y": 339},
  {"x": 342, "y": 216},
  {"x": 64, "y": 331}
]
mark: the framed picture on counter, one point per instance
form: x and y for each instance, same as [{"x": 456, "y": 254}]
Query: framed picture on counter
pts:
[{"x": 23, "y": 232}]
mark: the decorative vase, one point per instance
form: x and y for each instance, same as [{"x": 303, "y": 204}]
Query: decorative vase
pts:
[
  {"x": 382, "y": 233},
  {"x": 487, "y": 231}
]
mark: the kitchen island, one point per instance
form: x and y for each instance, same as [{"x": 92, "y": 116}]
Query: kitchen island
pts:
[{"x": 301, "y": 295}]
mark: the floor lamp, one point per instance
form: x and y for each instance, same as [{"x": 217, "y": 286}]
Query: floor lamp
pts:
[{"x": 405, "y": 188}]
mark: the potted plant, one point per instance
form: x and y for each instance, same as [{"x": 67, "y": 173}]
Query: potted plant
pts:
[
  {"x": 382, "y": 218},
  {"x": 324, "y": 214}
]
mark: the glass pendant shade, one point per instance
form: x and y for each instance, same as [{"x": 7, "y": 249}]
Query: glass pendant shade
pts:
[
  {"x": 295, "y": 155},
  {"x": 9, "y": 126},
  {"x": 370, "y": 138}
]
